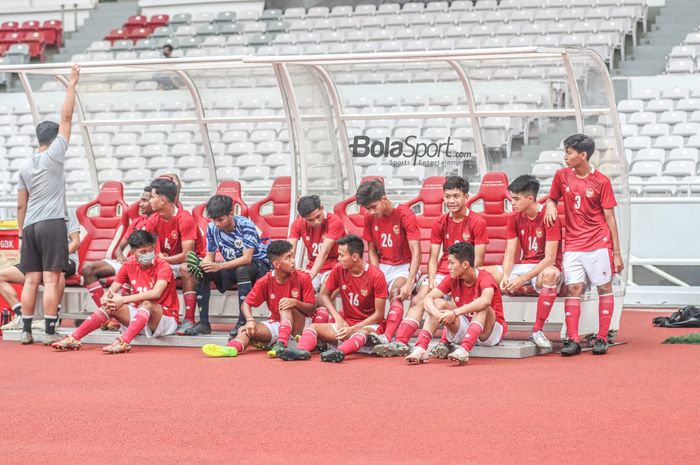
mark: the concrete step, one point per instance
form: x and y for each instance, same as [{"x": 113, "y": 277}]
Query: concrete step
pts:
[{"x": 506, "y": 349}]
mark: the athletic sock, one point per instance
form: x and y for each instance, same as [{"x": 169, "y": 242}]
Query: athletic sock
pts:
[
  {"x": 190, "y": 299},
  {"x": 96, "y": 292},
  {"x": 472, "y": 335},
  {"x": 236, "y": 344},
  {"x": 136, "y": 325},
  {"x": 27, "y": 323},
  {"x": 308, "y": 340},
  {"x": 572, "y": 313},
  {"x": 606, "y": 305},
  {"x": 17, "y": 308},
  {"x": 353, "y": 344},
  {"x": 284, "y": 332},
  {"x": 50, "y": 324},
  {"x": 91, "y": 323},
  {"x": 406, "y": 330},
  {"x": 203, "y": 296},
  {"x": 321, "y": 315},
  {"x": 424, "y": 337},
  {"x": 244, "y": 289},
  {"x": 545, "y": 301},
  {"x": 443, "y": 337},
  {"x": 393, "y": 319}
]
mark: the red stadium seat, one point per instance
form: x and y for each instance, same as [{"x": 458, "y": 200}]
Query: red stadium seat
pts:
[
  {"x": 9, "y": 26},
  {"x": 136, "y": 21},
  {"x": 494, "y": 194},
  {"x": 53, "y": 29},
  {"x": 29, "y": 26},
  {"x": 133, "y": 211},
  {"x": 139, "y": 33},
  {"x": 354, "y": 222},
  {"x": 105, "y": 220},
  {"x": 274, "y": 225},
  {"x": 230, "y": 188},
  {"x": 37, "y": 45},
  {"x": 159, "y": 20},
  {"x": 117, "y": 34},
  {"x": 431, "y": 199},
  {"x": 10, "y": 38},
  {"x": 3, "y": 49}
]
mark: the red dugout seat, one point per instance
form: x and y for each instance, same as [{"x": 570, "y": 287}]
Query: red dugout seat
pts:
[
  {"x": 430, "y": 197},
  {"x": 274, "y": 225},
  {"x": 230, "y": 188},
  {"x": 105, "y": 220},
  {"x": 494, "y": 194},
  {"x": 354, "y": 223}
]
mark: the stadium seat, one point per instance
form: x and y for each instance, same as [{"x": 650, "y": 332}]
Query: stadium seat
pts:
[
  {"x": 230, "y": 188},
  {"x": 104, "y": 220},
  {"x": 274, "y": 225},
  {"x": 428, "y": 207},
  {"x": 493, "y": 193},
  {"x": 354, "y": 222}
]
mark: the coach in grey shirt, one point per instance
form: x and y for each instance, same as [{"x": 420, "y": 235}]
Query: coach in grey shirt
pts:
[{"x": 41, "y": 218}]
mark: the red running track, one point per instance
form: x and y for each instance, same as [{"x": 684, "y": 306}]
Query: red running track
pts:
[{"x": 637, "y": 405}]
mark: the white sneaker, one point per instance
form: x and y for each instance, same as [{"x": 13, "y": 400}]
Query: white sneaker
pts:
[
  {"x": 417, "y": 355},
  {"x": 14, "y": 325},
  {"x": 38, "y": 325},
  {"x": 459, "y": 355},
  {"x": 540, "y": 340}
]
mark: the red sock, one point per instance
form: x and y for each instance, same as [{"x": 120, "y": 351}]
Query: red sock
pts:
[
  {"x": 472, "y": 335},
  {"x": 353, "y": 344},
  {"x": 545, "y": 301},
  {"x": 572, "y": 313},
  {"x": 606, "y": 305},
  {"x": 236, "y": 344},
  {"x": 90, "y": 324},
  {"x": 308, "y": 340},
  {"x": 96, "y": 292},
  {"x": 393, "y": 319},
  {"x": 190, "y": 304},
  {"x": 443, "y": 338},
  {"x": 406, "y": 330},
  {"x": 321, "y": 315},
  {"x": 136, "y": 325},
  {"x": 424, "y": 338},
  {"x": 284, "y": 332}
]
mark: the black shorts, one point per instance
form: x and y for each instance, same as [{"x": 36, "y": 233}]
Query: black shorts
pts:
[
  {"x": 45, "y": 246},
  {"x": 225, "y": 279},
  {"x": 70, "y": 271}
]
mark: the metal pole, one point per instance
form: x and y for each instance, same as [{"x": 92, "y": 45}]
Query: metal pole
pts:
[
  {"x": 30, "y": 96},
  {"x": 573, "y": 88}
]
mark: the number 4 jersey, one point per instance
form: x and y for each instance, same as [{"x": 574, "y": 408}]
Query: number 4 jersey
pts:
[
  {"x": 584, "y": 202},
  {"x": 533, "y": 234}
]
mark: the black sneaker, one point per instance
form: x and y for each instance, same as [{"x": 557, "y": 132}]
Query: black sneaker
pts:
[
  {"x": 600, "y": 346},
  {"x": 333, "y": 356},
  {"x": 202, "y": 327},
  {"x": 234, "y": 331},
  {"x": 571, "y": 348},
  {"x": 292, "y": 355}
]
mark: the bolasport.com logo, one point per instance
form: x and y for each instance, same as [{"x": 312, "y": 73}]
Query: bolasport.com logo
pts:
[{"x": 409, "y": 151}]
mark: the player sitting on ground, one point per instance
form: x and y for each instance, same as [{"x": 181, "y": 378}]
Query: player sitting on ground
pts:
[
  {"x": 458, "y": 225},
  {"x": 590, "y": 238},
  {"x": 93, "y": 271},
  {"x": 153, "y": 306},
  {"x": 319, "y": 231},
  {"x": 540, "y": 261},
  {"x": 363, "y": 292},
  {"x": 393, "y": 239},
  {"x": 15, "y": 275},
  {"x": 289, "y": 295},
  {"x": 474, "y": 315},
  {"x": 178, "y": 235},
  {"x": 237, "y": 239}
]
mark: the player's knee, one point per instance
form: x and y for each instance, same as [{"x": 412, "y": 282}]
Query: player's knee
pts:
[
  {"x": 243, "y": 273},
  {"x": 605, "y": 288},
  {"x": 183, "y": 269},
  {"x": 89, "y": 270},
  {"x": 550, "y": 275},
  {"x": 574, "y": 290},
  {"x": 146, "y": 305}
]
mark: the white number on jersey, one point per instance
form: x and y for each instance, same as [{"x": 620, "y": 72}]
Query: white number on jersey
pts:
[
  {"x": 315, "y": 248},
  {"x": 354, "y": 299},
  {"x": 532, "y": 243},
  {"x": 166, "y": 246},
  {"x": 386, "y": 241},
  {"x": 577, "y": 202}
]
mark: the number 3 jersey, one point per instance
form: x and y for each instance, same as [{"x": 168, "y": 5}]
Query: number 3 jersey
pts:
[
  {"x": 533, "y": 234},
  {"x": 584, "y": 202},
  {"x": 357, "y": 292}
]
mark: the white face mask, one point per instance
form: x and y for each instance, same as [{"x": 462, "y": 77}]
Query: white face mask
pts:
[{"x": 147, "y": 258}]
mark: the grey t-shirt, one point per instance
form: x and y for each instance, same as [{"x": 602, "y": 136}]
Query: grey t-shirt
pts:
[
  {"x": 73, "y": 226},
  {"x": 44, "y": 179}
]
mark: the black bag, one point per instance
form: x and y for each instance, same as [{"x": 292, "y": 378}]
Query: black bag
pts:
[{"x": 688, "y": 317}]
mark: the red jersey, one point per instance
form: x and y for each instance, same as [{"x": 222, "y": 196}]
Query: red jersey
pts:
[
  {"x": 446, "y": 232},
  {"x": 584, "y": 201},
  {"x": 267, "y": 289},
  {"x": 144, "y": 279},
  {"x": 136, "y": 225},
  {"x": 357, "y": 292},
  {"x": 391, "y": 234},
  {"x": 463, "y": 294},
  {"x": 331, "y": 227},
  {"x": 533, "y": 235},
  {"x": 172, "y": 232}
]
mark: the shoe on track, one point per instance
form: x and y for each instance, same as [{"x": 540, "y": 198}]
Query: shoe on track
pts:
[
  {"x": 26, "y": 338},
  {"x": 119, "y": 346},
  {"x": 49, "y": 339},
  {"x": 540, "y": 340},
  {"x": 375, "y": 339},
  {"x": 216, "y": 350},
  {"x": 333, "y": 356},
  {"x": 459, "y": 355},
  {"x": 272, "y": 353},
  {"x": 441, "y": 351},
  {"x": 600, "y": 346},
  {"x": 184, "y": 326},
  {"x": 417, "y": 355},
  {"x": 67, "y": 343},
  {"x": 392, "y": 349},
  {"x": 571, "y": 348},
  {"x": 200, "y": 328},
  {"x": 289, "y": 355},
  {"x": 14, "y": 325}
]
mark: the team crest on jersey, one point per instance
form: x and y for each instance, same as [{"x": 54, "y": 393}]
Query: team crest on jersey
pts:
[
  {"x": 173, "y": 234},
  {"x": 589, "y": 192},
  {"x": 308, "y": 238},
  {"x": 465, "y": 236},
  {"x": 568, "y": 189},
  {"x": 364, "y": 292},
  {"x": 238, "y": 243},
  {"x": 133, "y": 281},
  {"x": 344, "y": 287},
  {"x": 272, "y": 296},
  {"x": 538, "y": 232},
  {"x": 456, "y": 298},
  {"x": 396, "y": 229},
  {"x": 151, "y": 283},
  {"x": 376, "y": 228},
  {"x": 295, "y": 293}
]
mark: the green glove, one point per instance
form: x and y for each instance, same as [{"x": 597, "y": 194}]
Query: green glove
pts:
[{"x": 193, "y": 266}]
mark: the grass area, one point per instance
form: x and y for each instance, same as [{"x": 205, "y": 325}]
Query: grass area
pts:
[{"x": 693, "y": 338}]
